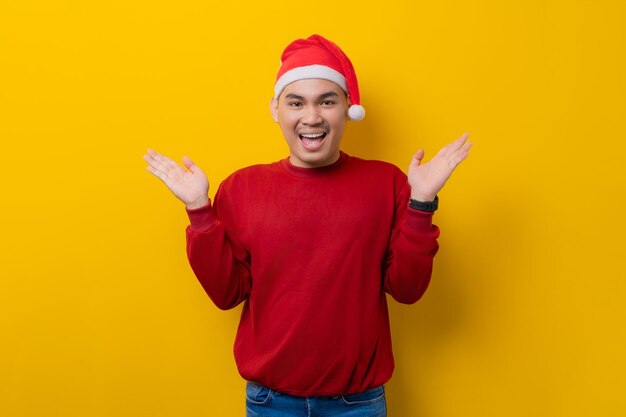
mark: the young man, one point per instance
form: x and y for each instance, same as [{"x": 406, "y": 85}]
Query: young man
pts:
[{"x": 312, "y": 244}]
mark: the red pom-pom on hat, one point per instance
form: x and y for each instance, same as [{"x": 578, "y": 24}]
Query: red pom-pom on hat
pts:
[{"x": 317, "y": 57}]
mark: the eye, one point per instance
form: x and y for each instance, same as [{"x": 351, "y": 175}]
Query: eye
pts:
[
  {"x": 329, "y": 103},
  {"x": 294, "y": 104}
]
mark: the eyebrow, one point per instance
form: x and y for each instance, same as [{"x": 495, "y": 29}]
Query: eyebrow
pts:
[{"x": 321, "y": 97}]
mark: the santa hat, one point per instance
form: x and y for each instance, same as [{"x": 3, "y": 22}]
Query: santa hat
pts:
[{"x": 317, "y": 57}]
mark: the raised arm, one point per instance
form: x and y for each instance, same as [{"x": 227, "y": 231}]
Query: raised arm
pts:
[
  {"x": 218, "y": 261},
  {"x": 414, "y": 240}
]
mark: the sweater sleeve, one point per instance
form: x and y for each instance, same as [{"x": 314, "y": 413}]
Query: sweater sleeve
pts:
[
  {"x": 412, "y": 248},
  {"x": 218, "y": 260}
]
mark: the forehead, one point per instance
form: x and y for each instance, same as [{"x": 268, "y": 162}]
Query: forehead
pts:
[{"x": 313, "y": 87}]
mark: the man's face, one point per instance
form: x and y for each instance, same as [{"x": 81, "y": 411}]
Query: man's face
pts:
[{"x": 312, "y": 115}]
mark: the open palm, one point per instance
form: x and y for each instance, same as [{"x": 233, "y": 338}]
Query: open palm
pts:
[
  {"x": 189, "y": 185},
  {"x": 426, "y": 180}
]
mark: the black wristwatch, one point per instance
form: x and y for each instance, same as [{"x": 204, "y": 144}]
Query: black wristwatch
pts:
[{"x": 425, "y": 206}]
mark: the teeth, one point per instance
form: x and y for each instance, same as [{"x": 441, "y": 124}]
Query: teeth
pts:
[{"x": 312, "y": 135}]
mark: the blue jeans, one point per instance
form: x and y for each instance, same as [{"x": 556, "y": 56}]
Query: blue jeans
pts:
[{"x": 265, "y": 402}]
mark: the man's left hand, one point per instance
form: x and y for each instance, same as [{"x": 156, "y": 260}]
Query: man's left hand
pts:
[{"x": 428, "y": 179}]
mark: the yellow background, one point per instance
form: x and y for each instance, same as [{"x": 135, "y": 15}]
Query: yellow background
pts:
[{"x": 100, "y": 314}]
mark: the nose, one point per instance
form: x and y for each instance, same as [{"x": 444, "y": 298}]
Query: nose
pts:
[{"x": 312, "y": 115}]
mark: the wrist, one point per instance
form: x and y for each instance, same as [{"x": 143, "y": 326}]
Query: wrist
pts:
[
  {"x": 428, "y": 206},
  {"x": 198, "y": 203},
  {"x": 425, "y": 198}
]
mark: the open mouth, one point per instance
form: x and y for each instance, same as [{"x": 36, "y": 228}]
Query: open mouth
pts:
[{"x": 312, "y": 141}]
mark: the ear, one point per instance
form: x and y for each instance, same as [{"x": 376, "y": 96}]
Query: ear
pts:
[
  {"x": 348, "y": 104},
  {"x": 274, "y": 109}
]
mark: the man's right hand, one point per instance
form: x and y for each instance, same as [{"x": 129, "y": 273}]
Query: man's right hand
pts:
[{"x": 190, "y": 185}]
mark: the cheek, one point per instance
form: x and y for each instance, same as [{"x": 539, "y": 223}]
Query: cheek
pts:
[
  {"x": 287, "y": 124},
  {"x": 338, "y": 122}
]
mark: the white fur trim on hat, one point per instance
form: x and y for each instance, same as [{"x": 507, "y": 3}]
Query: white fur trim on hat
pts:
[
  {"x": 356, "y": 112},
  {"x": 310, "y": 71}
]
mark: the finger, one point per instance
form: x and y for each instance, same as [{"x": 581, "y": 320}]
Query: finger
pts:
[
  {"x": 153, "y": 158},
  {"x": 155, "y": 163},
  {"x": 160, "y": 158},
  {"x": 170, "y": 166},
  {"x": 191, "y": 166},
  {"x": 167, "y": 162},
  {"x": 462, "y": 139},
  {"x": 417, "y": 158},
  {"x": 151, "y": 161},
  {"x": 454, "y": 146},
  {"x": 443, "y": 152},
  {"x": 148, "y": 158},
  {"x": 453, "y": 163},
  {"x": 464, "y": 149},
  {"x": 158, "y": 173},
  {"x": 460, "y": 156}
]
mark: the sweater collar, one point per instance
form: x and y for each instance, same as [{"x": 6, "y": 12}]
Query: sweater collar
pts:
[{"x": 314, "y": 172}]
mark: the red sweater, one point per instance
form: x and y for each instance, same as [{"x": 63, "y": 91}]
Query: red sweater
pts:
[{"x": 312, "y": 253}]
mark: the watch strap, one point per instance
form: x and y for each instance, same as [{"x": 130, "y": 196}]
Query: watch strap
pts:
[{"x": 429, "y": 206}]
